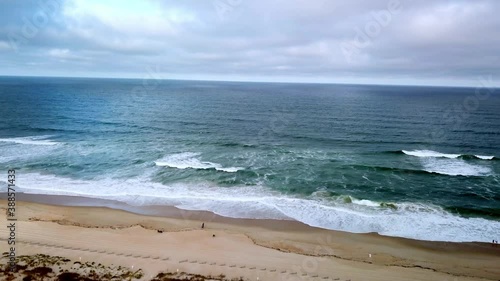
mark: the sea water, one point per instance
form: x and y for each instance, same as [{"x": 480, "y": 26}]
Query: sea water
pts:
[{"x": 416, "y": 162}]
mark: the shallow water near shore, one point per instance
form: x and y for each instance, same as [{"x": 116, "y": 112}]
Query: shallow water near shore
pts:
[{"x": 343, "y": 157}]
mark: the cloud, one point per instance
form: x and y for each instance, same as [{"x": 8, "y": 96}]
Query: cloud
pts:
[
  {"x": 423, "y": 42},
  {"x": 4, "y": 45}
]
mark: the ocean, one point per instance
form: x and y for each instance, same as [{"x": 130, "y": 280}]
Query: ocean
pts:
[{"x": 415, "y": 162}]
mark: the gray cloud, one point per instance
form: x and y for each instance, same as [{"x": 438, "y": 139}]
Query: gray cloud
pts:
[{"x": 414, "y": 42}]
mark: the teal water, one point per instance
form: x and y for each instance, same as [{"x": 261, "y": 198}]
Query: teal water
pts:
[{"x": 417, "y": 162}]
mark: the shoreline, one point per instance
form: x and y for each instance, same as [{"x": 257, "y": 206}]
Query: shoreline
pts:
[
  {"x": 281, "y": 240},
  {"x": 177, "y": 213},
  {"x": 399, "y": 218}
]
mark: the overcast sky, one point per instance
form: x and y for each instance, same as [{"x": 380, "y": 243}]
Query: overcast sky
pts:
[{"x": 434, "y": 42}]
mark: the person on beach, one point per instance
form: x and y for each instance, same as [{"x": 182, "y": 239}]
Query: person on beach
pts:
[{"x": 202, "y": 225}]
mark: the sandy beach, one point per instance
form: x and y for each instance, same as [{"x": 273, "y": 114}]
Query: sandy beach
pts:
[
  {"x": 227, "y": 140},
  {"x": 236, "y": 248}
]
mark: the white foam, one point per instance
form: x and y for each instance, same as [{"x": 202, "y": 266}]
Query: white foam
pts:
[
  {"x": 407, "y": 220},
  {"x": 430, "y": 153},
  {"x": 485, "y": 157},
  {"x": 22, "y": 149},
  {"x": 190, "y": 160},
  {"x": 365, "y": 202},
  {"x": 435, "y": 154},
  {"x": 455, "y": 167},
  {"x": 450, "y": 164},
  {"x": 33, "y": 140}
]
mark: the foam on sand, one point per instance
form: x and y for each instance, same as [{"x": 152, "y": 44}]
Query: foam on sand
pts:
[
  {"x": 190, "y": 160},
  {"x": 410, "y": 220}
]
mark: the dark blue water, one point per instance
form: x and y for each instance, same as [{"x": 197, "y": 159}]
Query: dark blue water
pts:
[{"x": 419, "y": 162}]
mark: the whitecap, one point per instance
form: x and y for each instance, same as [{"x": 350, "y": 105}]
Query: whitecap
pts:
[
  {"x": 365, "y": 202},
  {"x": 32, "y": 140},
  {"x": 485, "y": 157},
  {"x": 450, "y": 164},
  {"x": 435, "y": 154},
  {"x": 190, "y": 160},
  {"x": 455, "y": 167},
  {"x": 430, "y": 153}
]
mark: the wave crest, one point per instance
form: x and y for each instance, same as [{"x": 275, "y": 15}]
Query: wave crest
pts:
[
  {"x": 435, "y": 154},
  {"x": 33, "y": 140},
  {"x": 450, "y": 164},
  {"x": 190, "y": 160}
]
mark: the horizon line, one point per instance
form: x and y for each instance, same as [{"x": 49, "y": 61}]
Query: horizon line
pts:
[{"x": 250, "y": 81}]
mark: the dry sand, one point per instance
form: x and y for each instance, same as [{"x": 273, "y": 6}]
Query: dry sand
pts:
[{"x": 252, "y": 249}]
